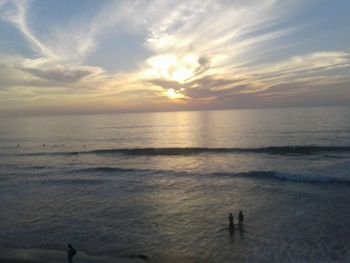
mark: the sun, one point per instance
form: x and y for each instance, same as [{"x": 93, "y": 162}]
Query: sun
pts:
[
  {"x": 173, "y": 94},
  {"x": 172, "y": 67}
]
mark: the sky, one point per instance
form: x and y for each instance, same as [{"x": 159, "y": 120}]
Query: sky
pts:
[{"x": 71, "y": 57}]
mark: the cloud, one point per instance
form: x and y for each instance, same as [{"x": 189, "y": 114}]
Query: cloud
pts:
[
  {"x": 306, "y": 64},
  {"x": 266, "y": 79},
  {"x": 16, "y": 13},
  {"x": 63, "y": 74},
  {"x": 211, "y": 52}
]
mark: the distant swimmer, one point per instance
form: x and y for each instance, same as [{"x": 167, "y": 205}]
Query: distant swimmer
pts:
[
  {"x": 18, "y": 145},
  {"x": 231, "y": 225},
  {"x": 71, "y": 253},
  {"x": 240, "y": 217}
]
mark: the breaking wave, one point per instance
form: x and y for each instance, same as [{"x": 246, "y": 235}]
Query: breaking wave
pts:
[
  {"x": 307, "y": 178},
  {"x": 178, "y": 151},
  {"x": 274, "y": 175}
]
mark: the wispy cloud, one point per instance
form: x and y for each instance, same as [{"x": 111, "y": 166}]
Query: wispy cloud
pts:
[
  {"x": 208, "y": 52},
  {"x": 16, "y": 13},
  {"x": 63, "y": 74}
]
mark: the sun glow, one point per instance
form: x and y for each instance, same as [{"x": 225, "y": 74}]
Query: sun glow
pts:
[
  {"x": 173, "y": 94},
  {"x": 172, "y": 67}
]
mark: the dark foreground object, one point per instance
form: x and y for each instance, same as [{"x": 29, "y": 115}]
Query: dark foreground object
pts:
[{"x": 71, "y": 253}]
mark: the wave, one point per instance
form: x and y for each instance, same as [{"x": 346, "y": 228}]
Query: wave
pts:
[
  {"x": 279, "y": 150},
  {"x": 74, "y": 181},
  {"x": 287, "y": 177},
  {"x": 178, "y": 151},
  {"x": 107, "y": 170},
  {"x": 306, "y": 178}
]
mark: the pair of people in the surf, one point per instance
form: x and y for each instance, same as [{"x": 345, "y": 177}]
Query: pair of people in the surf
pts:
[{"x": 240, "y": 221}]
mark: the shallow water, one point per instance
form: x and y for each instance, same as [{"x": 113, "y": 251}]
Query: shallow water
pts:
[{"x": 163, "y": 184}]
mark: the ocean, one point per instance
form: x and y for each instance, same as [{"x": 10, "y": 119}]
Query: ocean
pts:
[{"x": 163, "y": 184}]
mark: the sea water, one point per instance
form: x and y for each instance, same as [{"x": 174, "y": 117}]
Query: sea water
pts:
[{"x": 163, "y": 184}]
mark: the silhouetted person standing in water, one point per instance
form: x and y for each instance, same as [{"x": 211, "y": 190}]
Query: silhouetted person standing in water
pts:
[
  {"x": 71, "y": 253},
  {"x": 231, "y": 225},
  {"x": 240, "y": 217}
]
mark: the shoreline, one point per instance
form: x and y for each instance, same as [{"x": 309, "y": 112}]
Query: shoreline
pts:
[{"x": 34, "y": 255}]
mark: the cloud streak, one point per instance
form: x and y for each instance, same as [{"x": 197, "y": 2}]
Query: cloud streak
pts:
[
  {"x": 209, "y": 52},
  {"x": 63, "y": 74}
]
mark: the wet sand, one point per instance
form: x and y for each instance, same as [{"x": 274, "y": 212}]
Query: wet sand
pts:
[{"x": 10, "y": 255}]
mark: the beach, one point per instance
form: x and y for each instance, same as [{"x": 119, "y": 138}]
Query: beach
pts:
[{"x": 11, "y": 255}]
